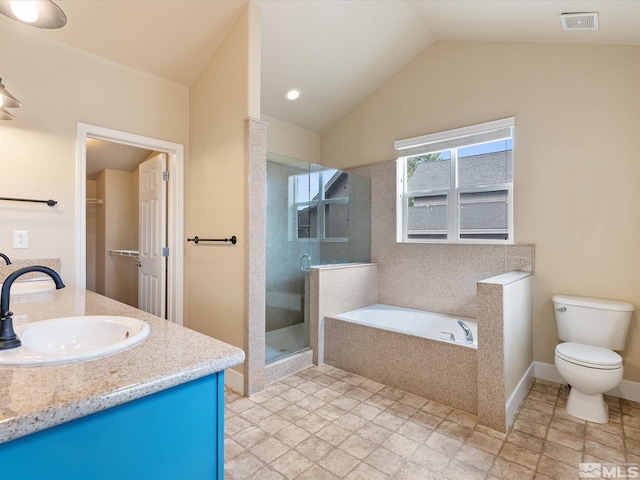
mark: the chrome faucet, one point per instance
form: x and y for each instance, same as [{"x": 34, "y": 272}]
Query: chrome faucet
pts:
[
  {"x": 6, "y": 259},
  {"x": 8, "y": 338},
  {"x": 467, "y": 331}
]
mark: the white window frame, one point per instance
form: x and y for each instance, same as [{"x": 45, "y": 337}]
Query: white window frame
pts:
[
  {"x": 320, "y": 204},
  {"x": 452, "y": 140}
]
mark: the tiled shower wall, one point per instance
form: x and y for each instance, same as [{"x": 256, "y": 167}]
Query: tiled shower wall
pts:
[{"x": 433, "y": 277}]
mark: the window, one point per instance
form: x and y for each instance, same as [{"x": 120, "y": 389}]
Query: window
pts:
[
  {"x": 457, "y": 186},
  {"x": 319, "y": 204}
]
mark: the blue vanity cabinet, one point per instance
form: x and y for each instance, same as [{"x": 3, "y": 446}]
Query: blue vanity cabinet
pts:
[{"x": 177, "y": 433}]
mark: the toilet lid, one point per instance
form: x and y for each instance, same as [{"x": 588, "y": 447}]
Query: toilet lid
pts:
[{"x": 589, "y": 356}]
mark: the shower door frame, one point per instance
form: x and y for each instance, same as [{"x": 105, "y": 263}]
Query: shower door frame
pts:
[{"x": 308, "y": 247}]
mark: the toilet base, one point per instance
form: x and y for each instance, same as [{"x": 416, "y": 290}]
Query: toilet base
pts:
[{"x": 591, "y": 408}]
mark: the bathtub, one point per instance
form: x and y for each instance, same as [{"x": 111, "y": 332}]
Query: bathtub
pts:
[
  {"x": 405, "y": 349},
  {"x": 414, "y": 322}
]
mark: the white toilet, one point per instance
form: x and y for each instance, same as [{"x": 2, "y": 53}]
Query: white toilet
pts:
[{"x": 592, "y": 329}]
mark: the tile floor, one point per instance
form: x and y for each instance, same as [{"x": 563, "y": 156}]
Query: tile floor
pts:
[{"x": 324, "y": 423}]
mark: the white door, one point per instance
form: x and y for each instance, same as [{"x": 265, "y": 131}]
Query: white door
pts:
[{"x": 153, "y": 200}]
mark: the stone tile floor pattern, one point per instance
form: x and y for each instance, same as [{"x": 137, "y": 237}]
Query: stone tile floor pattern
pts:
[{"x": 325, "y": 423}]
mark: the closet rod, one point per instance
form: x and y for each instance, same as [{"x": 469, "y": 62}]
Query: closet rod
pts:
[
  {"x": 51, "y": 203},
  {"x": 196, "y": 239}
]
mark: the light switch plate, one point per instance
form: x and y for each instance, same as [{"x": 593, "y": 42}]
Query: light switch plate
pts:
[{"x": 20, "y": 239}]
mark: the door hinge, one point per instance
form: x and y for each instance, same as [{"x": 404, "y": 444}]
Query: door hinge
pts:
[
  {"x": 165, "y": 176},
  {"x": 165, "y": 251}
]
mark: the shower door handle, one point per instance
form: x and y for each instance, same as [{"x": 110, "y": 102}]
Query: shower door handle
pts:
[{"x": 305, "y": 263}]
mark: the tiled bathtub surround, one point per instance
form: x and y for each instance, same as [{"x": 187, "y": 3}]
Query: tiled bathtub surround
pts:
[
  {"x": 337, "y": 289},
  {"x": 324, "y": 423},
  {"x": 431, "y": 277},
  {"x": 436, "y": 370},
  {"x": 479, "y": 381},
  {"x": 442, "y": 278}
]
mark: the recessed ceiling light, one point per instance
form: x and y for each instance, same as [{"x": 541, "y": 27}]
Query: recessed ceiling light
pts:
[{"x": 293, "y": 94}]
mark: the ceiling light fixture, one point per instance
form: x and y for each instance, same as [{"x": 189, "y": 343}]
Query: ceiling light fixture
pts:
[
  {"x": 37, "y": 13},
  {"x": 293, "y": 94},
  {"x": 5, "y": 115},
  {"x": 9, "y": 101}
]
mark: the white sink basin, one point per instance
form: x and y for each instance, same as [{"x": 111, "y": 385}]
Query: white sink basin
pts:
[
  {"x": 28, "y": 288},
  {"x": 71, "y": 339}
]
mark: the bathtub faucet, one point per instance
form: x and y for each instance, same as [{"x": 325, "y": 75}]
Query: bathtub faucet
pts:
[{"x": 467, "y": 331}]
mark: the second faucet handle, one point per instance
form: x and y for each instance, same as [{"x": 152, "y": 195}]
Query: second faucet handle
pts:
[{"x": 452, "y": 337}]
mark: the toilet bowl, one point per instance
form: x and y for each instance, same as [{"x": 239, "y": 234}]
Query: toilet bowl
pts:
[
  {"x": 591, "y": 371},
  {"x": 592, "y": 329}
]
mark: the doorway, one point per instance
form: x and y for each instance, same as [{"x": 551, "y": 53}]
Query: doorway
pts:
[{"x": 174, "y": 209}]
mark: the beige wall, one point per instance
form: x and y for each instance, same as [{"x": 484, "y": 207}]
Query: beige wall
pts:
[
  {"x": 291, "y": 141},
  {"x": 116, "y": 228},
  {"x": 59, "y": 87},
  {"x": 576, "y": 148},
  {"x": 120, "y": 232},
  {"x": 91, "y": 229},
  {"x": 101, "y": 237},
  {"x": 221, "y": 98},
  {"x": 38, "y": 151}
]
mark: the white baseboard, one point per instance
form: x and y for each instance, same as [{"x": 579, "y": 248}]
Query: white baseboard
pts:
[
  {"x": 520, "y": 392},
  {"x": 627, "y": 389},
  {"x": 546, "y": 371},
  {"x": 234, "y": 380}
]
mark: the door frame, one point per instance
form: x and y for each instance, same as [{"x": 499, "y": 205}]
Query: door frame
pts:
[{"x": 175, "y": 220}]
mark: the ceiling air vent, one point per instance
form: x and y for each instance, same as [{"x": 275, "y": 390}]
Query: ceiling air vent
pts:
[{"x": 579, "y": 21}]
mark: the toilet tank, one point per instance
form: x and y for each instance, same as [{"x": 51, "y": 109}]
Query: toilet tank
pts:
[{"x": 592, "y": 321}]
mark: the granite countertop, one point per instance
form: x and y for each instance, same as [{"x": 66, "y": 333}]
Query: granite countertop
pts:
[{"x": 36, "y": 398}]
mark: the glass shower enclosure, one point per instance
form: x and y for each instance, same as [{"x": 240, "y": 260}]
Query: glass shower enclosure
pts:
[{"x": 315, "y": 216}]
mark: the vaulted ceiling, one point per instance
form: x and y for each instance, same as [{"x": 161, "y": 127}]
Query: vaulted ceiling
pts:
[{"x": 336, "y": 52}]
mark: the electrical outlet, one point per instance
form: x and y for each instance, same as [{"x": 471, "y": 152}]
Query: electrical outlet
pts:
[{"x": 20, "y": 239}]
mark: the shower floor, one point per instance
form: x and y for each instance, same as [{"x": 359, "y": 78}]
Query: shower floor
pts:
[{"x": 286, "y": 341}]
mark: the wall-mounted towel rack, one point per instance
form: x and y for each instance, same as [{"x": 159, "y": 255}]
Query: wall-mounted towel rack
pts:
[
  {"x": 196, "y": 240},
  {"x": 51, "y": 203}
]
